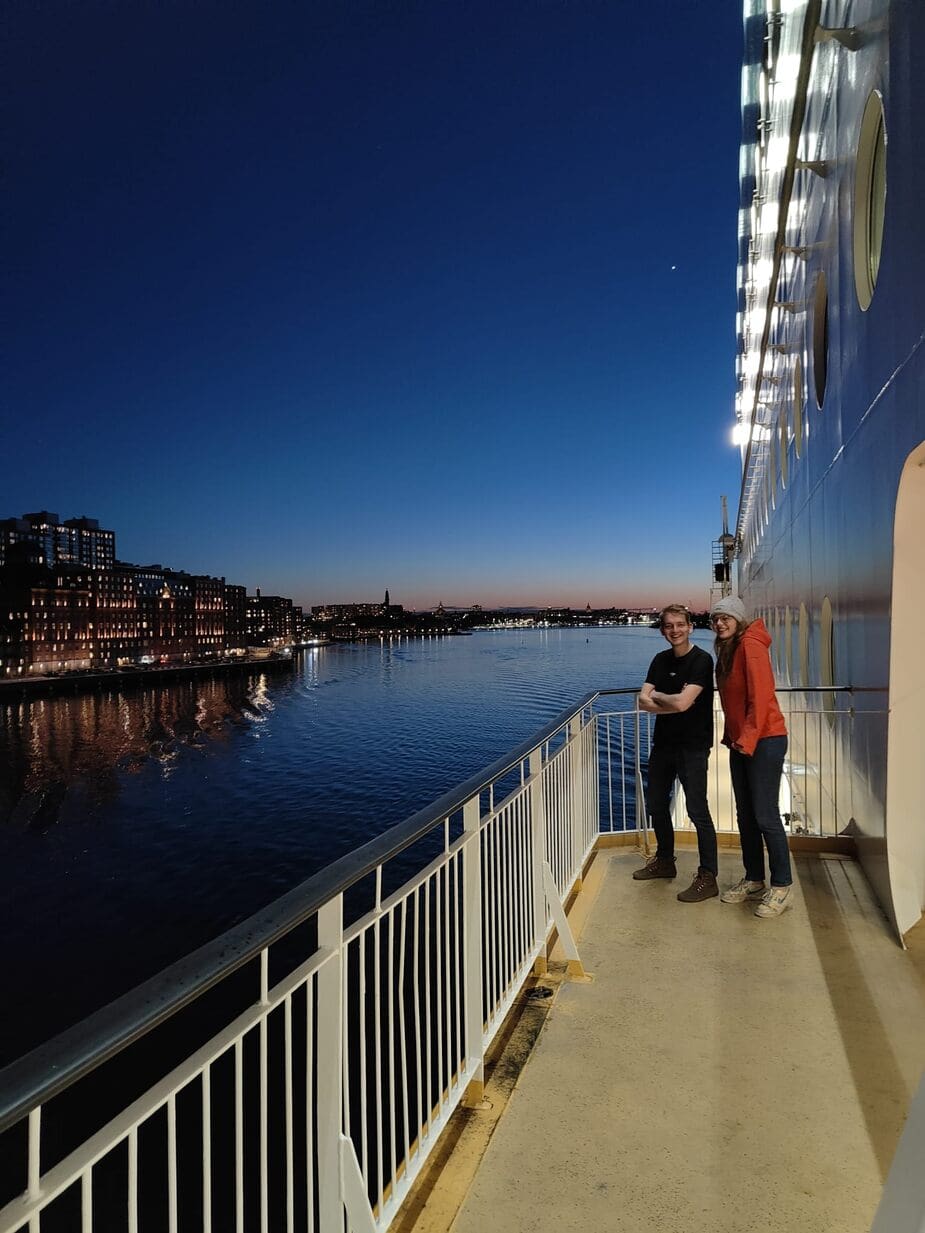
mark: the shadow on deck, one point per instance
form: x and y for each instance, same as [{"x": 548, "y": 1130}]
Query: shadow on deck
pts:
[{"x": 717, "y": 1072}]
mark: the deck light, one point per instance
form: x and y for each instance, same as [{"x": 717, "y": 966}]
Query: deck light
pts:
[{"x": 741, "y": 433}]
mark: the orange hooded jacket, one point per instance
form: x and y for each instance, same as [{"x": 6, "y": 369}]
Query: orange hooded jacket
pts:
[{"x": 747, "y": 694}]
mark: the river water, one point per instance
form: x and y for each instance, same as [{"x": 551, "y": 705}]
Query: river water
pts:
[{"x": 136, "y": 826}]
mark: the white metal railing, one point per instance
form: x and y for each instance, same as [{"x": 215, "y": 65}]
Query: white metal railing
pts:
[
  {"x": 813, "y": 798},
  {"x": 302, "y": 1067},
  {"x": 320, "y": 1086}
]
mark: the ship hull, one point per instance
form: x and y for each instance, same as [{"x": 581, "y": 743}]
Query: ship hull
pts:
[{"x": 831, "y": 398}]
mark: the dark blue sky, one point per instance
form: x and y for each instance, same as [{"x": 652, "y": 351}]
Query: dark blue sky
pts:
[{"x": 329, "y": 298}]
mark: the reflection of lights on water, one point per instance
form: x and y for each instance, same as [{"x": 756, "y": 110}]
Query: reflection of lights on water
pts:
[
  {"x": 260, "y": 701},
  {"x": 311, "y": 665},
  {"x": 86, "y": 743},
  {"x": 166, "y": 760}
]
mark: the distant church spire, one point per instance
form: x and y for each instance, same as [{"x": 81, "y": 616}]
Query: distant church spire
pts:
[{"x": 385, "y": 602}]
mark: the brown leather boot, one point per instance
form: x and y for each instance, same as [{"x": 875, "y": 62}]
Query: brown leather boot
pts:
[
  {"x": 703, "y": 887},
  {"x": 657, "y": 867}
]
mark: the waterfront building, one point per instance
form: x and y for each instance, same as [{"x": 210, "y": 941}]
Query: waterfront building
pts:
[
  {"x": 209, "y": 614},
  {"x": 345, "y": 613},
  {"x": 270, "y": 620},
  {"x": 18, "y": 544},
  {"x": 45, "y": 540},
  {"x": 45, "y": 620},
  {"x": 298, "y": 623},
  {"x": 234, "y": 600},
  {"x": 82, "y": 541},
  {"x": 118, "y": 636},
  {"x": 70, "y": 617},
  {"x": 165, "y": 601},
  {"x": 127, "y": 614},
  {"x": 43, "y": 527}
]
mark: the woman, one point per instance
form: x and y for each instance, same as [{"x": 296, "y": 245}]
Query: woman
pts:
[{"x": 757, "y": 738}]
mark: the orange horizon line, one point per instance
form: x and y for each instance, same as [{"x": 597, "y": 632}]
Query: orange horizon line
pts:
[{"x": 648, "y": 606}]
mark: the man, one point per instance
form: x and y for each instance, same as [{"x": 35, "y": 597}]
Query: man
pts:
[{"x": 678, "y": 690}]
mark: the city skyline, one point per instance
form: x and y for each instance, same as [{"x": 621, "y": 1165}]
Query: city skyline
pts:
[
  {"x": 69, "y": 607},
  {"x": 365, "y": 296},
  {"x": 47, "y": 540}
]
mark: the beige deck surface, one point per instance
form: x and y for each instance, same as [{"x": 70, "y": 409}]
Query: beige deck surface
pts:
[{"x": 720, "y": 1072}]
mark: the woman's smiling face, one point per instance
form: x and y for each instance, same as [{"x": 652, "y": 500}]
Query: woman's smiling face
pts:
[{"x": 725, "y": 626}]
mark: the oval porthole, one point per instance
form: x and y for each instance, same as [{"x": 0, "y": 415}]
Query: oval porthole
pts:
[
  {"x": 804, "y": 646},
  {"x": 798, "y": 406},
  {"x": 820, "y": 337},
  {"x": 869, "y": 200},
  {"x": 827, "y": 658}
]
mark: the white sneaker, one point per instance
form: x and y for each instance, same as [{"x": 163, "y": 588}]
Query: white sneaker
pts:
[
  {"x": 743, "y": 889},
  {"x": 774, "y": 901}
]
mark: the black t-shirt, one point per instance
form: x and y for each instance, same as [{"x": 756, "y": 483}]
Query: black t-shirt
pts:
[{"x": 668, "y": 674}]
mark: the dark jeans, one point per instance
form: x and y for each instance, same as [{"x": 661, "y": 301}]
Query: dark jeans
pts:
[
  {"x": 666, "y": 764},
  {"x": 756, "y": 785}
]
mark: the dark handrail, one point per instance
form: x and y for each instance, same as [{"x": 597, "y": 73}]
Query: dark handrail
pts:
[
  {"x": 821, "y": 689},
  {"x": 55, "y": 1065}
]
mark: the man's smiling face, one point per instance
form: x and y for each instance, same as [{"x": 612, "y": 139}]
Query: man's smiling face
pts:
[{"x": 676, "y": 629}]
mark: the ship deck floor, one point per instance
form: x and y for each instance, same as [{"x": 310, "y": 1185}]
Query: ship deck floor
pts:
[{"x": 719, "y": 1071}]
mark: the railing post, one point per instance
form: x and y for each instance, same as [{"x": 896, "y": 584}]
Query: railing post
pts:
[
  {"x": 576, "y": 796},
  {"x": 538, "y": 821},
  {"x": 594, "y": 771},
  {"x": 472, "y": 969},
  {"x": 330, "y": 1047},
  {"x": 641, "y": 819}
]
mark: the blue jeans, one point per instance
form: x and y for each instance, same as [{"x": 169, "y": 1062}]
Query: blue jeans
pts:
[
  {"x": 666, "y": 764},
  {"x": 756, "y": 785}
]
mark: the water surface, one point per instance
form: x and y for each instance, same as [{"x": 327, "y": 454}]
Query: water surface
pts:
[{"x": 136, "y": 826}]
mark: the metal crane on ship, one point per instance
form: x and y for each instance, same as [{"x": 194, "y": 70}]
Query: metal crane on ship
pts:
[{"x": 724, "y": 553}]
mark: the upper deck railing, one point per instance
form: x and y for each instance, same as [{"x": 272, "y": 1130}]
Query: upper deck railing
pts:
[
  {"x": 810, "y": 787},
  {"x": 304, "y": 1064}
]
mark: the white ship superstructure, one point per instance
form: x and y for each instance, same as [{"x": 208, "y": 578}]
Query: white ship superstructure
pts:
[{"x": 830, "y": 406}]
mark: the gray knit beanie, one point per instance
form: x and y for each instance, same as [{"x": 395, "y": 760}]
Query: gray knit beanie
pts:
[{"x": 730, "y": 606}]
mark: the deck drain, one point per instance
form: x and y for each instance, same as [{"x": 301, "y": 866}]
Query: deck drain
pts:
[{"x": 539, "y": 992}]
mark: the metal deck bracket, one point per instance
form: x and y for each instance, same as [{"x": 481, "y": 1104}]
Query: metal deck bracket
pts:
[
  {"x": 359, "y": 1213},
  {"x": 849, "y": 37},
  {"x": 574, "y": 964},
  {"x": 818, "y": 166}
]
